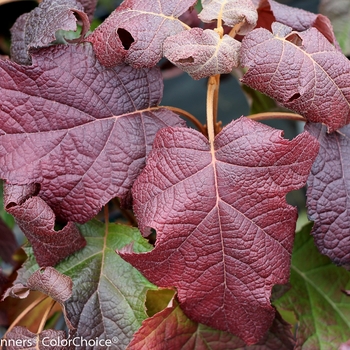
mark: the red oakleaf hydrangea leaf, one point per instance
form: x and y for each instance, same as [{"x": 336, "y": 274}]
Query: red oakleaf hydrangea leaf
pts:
[
  {"x": 270, "y": 11},
  {"x": 136, "y": 30},
  {"x": 79, "y": 129},
  {"x": 38, "y": 27},
  {"x": 231, "y": 12},
  {"x": 37, "y": 221},
  {"x": 302, "y": 71},
  {"x": 202, "y": 53},
  {"x": 328, "y": 193},
  {"x": 172, "y": 329},
  {"x": 224, "y": 229}
]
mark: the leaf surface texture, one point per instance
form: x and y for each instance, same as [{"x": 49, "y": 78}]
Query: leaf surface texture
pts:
[
  {"x": 328, "y": 194},
  {"x": 302, "y": 71},
  {"x": 79, "y": 129},
  {"x": 224, "y": 229},
  {"x": 148, "y": 23}
]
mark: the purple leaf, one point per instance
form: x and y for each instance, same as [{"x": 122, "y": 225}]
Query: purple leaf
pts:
[
  {"x": 79, "y": 129},
  {"x": 202, "y": 53},
  {"x": 52, "y": 283},
  {"x": 146, "y": 23},
  {"x": 270, "y": 11},
  {"x": 328, "y": 193},
  {"x": 231, "y": 12},
  {"x": 302, "y": 71},
  {"x": 37, "y": 220},
  {"x": 224, "y": 230},
  {"x": 37, "y": 28}
]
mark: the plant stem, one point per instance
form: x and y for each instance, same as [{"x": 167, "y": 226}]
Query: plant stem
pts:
[
  {"x": 277, "y": 115},
  {"x": 25, "y": 312},
  {"x": 190, "y": 117},
  {"x": 106, "y": 215},
  {"x": 217, "y": 126},
  {"x": 45, "y": 316},
  {"x": 233, "y": 32},
  {"x": 212, "y": 105}
]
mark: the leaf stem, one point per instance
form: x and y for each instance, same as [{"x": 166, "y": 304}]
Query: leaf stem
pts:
[
  {"x": 106, "y": 216},
  {"x": 233, "y": 32},
  {"x": 45, "y": 316},
  {"x": 277, "y": 115},
  {"x": 25, "y": 312},
  {"x": 212, "y": 106},
  {"x": 190, "y": 117}
]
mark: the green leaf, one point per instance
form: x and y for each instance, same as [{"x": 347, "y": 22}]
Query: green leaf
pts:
[
  {"x": 108, "y": 299},
  {"x": 316, "y": 297}
]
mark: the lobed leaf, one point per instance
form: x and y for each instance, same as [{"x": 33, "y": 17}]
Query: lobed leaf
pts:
[
  {"x": 202, "y": 53},
  {"x": 79, "y": 129},
  {"x": 37, "y": 28},
  {"x": 172, "y": 329},
  {"x": 302, "y": 71},
  {"x": 136, "y": 30},
  {"x": 328, "y": 193},
  {"x": 232, "y": 12},
  {"x": 271, "y": 11},
  {"x": 316, "y": 296},
  {"x": 37, "y": 221},
  {"x": 224, "y": 229}
]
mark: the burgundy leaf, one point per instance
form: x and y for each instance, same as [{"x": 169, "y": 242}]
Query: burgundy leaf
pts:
[
  {"x": 328, "y": 193},
  {"x": 8, "y": 243},
  {"x": 302, "y": 71},
  {"x": 37, "y": 220},
  {"x": 52, "y": 283},
  {"x": 202, "y": 53},
  {"x": 224, "y": 229},
  {"x": 171, "y": 329},
  {"x": 231, "y": 12},
  {"x": 270, "y": 11},
  {"x": 79, "y": 129},
  {"x": 20, "y": 338},
  {"x": 37, "y": 28},
  {"x": 147, "y": 24}
]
